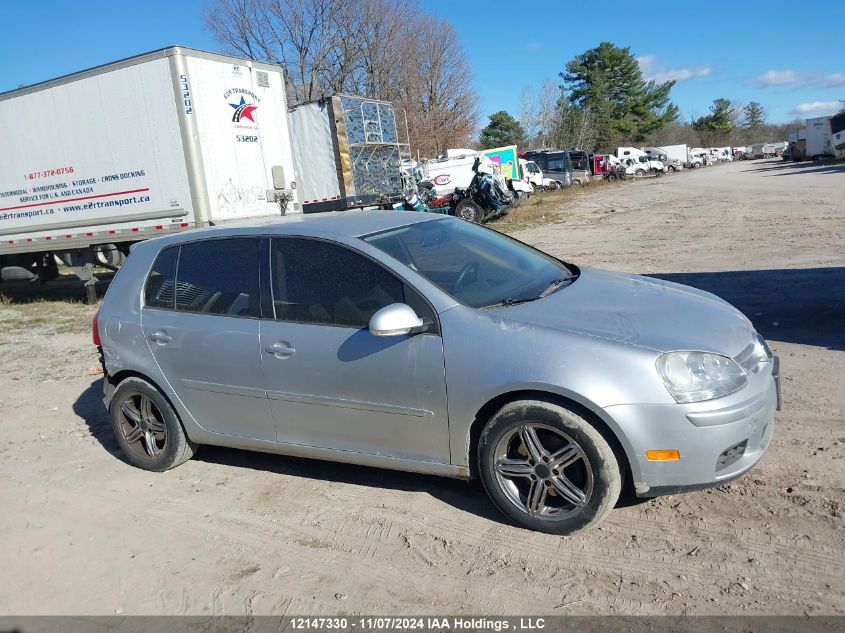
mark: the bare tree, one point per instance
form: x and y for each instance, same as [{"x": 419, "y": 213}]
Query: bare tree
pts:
[
  {"x": 436, "y": 89},
  {"x": 382, "y": 49},
  {"x": 539, "y": 112},
  {"x": 529, "y": 114}
]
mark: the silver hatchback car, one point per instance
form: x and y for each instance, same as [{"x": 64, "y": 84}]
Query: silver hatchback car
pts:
[{"x": 428, "y": 344}]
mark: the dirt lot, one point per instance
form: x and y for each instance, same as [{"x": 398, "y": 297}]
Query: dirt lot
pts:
[{"x": 239, "y": 533}]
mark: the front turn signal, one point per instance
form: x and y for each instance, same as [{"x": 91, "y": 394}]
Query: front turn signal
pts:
[{"x": 663, "y": 455}]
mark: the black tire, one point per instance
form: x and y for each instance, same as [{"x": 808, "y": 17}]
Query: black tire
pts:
[
  {"x": 168, "y": 436},
  {"x": 470, "y": 211},
  {"x": 611, "y": 177},
  {"x": 554, "y": 186},
  {"x": 596, "y": 469},
  {"x": 639, "y": 172},
  {"x": 17, "y": 273}
]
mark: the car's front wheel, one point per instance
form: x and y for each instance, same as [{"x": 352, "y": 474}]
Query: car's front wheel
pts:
[
  {"x": 547, "y": 468},
  {"x": 147, "y": 428}
]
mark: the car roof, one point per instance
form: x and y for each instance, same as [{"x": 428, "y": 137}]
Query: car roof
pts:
[{"x": 354, "y": 223}]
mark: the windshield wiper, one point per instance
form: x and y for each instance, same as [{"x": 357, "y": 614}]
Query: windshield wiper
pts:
[
  {"x": 511, "y": 301},
  {"x": 554, "y": 284}
]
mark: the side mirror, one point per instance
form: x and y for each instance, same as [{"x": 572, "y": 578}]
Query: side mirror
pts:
[{"x": 395, "y": 320}]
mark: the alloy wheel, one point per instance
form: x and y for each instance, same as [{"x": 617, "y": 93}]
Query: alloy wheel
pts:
[
  {"x": 543, "y": 472},
  {"x": 142, "y": 426}
]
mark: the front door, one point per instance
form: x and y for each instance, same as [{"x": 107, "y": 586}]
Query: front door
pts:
[
  {"x": 205, "y": 337},
  {"x": 331, "y": 383}
]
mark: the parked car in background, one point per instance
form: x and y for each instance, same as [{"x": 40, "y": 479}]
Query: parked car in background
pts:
[
  {"x": 837, "y": 134},
  {"x": 697, "y": 157},
  {"x": 661, "y": 155},
  {"x": 580, "y": 167},
  {"x": 338, "y": 336},
  {"x": 533, "y": 175},
  {"x": 639, "y": 161},
  {"x": 556, "y": 165}
]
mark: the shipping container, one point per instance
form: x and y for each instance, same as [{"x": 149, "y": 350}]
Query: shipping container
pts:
[
  {"x": 349, "y": 151},
  {"x": 153, "y": 144}
]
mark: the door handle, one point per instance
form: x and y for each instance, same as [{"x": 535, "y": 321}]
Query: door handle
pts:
[
  {"x": 161, "y": 337},
  {"x": 280, "y": 349}
]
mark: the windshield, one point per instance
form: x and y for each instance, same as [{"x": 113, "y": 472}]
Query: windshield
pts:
[
  {"x": 579, "y": 161},
  {"x": 477, "y": 266}
]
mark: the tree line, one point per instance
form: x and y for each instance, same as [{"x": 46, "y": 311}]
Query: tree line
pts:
[
  {"x": 603, "y": 101},
  {"x": 394, "y": 50}
]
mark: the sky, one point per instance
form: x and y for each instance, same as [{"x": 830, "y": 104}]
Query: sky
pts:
[{"x": 781, "y": 53}]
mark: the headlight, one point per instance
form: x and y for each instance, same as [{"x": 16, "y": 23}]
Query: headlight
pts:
[{"x": 698, "y": 376}]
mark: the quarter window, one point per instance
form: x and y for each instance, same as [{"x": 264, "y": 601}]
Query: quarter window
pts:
[
  {"x": 319, "y": 282},
  {"x": 219, "y": 277},
  {"x": 162, "y": 280}
]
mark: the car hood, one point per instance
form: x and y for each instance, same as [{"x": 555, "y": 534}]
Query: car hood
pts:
[{"x": 641, "y": 311}]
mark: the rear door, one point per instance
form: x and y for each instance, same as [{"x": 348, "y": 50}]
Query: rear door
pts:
[
  {"x": 331, "y": 383},
  {"x": 200, "y": 319}
]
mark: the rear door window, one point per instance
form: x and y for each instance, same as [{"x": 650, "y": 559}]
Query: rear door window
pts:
[{"x": 219, "y": 277}]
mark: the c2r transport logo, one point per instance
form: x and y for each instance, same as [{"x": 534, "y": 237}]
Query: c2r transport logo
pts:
[
  {"x": 243, "y": 110},
  {"x": 244, "y": 107}
]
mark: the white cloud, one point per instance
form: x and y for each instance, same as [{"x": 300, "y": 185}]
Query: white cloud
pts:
[
  {"x": 776, "y": 78},
  {"x": 653, "y": 71},
  {"x": 834, "y": 80},
  {"x": 819, "y": 108}
]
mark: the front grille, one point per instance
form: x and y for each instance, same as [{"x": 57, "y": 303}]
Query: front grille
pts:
[{"x": 731, "y": 455}]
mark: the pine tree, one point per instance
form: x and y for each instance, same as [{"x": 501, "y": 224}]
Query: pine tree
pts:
[
  {"x": 718, "y": 126},
  {"x": 502, "y": 130},
  {"x": 606, "y": 82},
  {"x": 755, "y": 116}
]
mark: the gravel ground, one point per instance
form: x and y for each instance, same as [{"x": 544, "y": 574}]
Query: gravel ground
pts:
[{"x": 232, "y": 532}]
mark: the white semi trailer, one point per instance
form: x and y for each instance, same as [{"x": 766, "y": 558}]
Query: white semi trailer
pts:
[{"x": 154, "y": 144}]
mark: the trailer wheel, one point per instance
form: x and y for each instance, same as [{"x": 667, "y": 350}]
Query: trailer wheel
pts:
[{"x": 470, "y": 211}]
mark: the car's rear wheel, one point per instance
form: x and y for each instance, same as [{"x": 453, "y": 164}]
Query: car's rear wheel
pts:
[
  {"x": 547, "y": 468},
  {"x": 147, "y": 428}
]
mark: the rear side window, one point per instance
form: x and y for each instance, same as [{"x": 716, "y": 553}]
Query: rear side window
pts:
[
  {"x": 162, "y": 280},
  {"x": 323, "y": 283},
  {"x": 219, "y": 277}
]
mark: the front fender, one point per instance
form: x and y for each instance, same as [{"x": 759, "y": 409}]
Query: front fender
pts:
[{"x": 487, "y": 356}]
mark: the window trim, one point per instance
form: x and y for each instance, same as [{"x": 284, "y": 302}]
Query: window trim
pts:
[
  {"x": 178, "y": 246},
  {"x": 435, "y": 327}
]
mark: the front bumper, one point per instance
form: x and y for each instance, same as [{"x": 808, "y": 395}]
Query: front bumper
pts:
[{"x": 718, "y": 441}]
